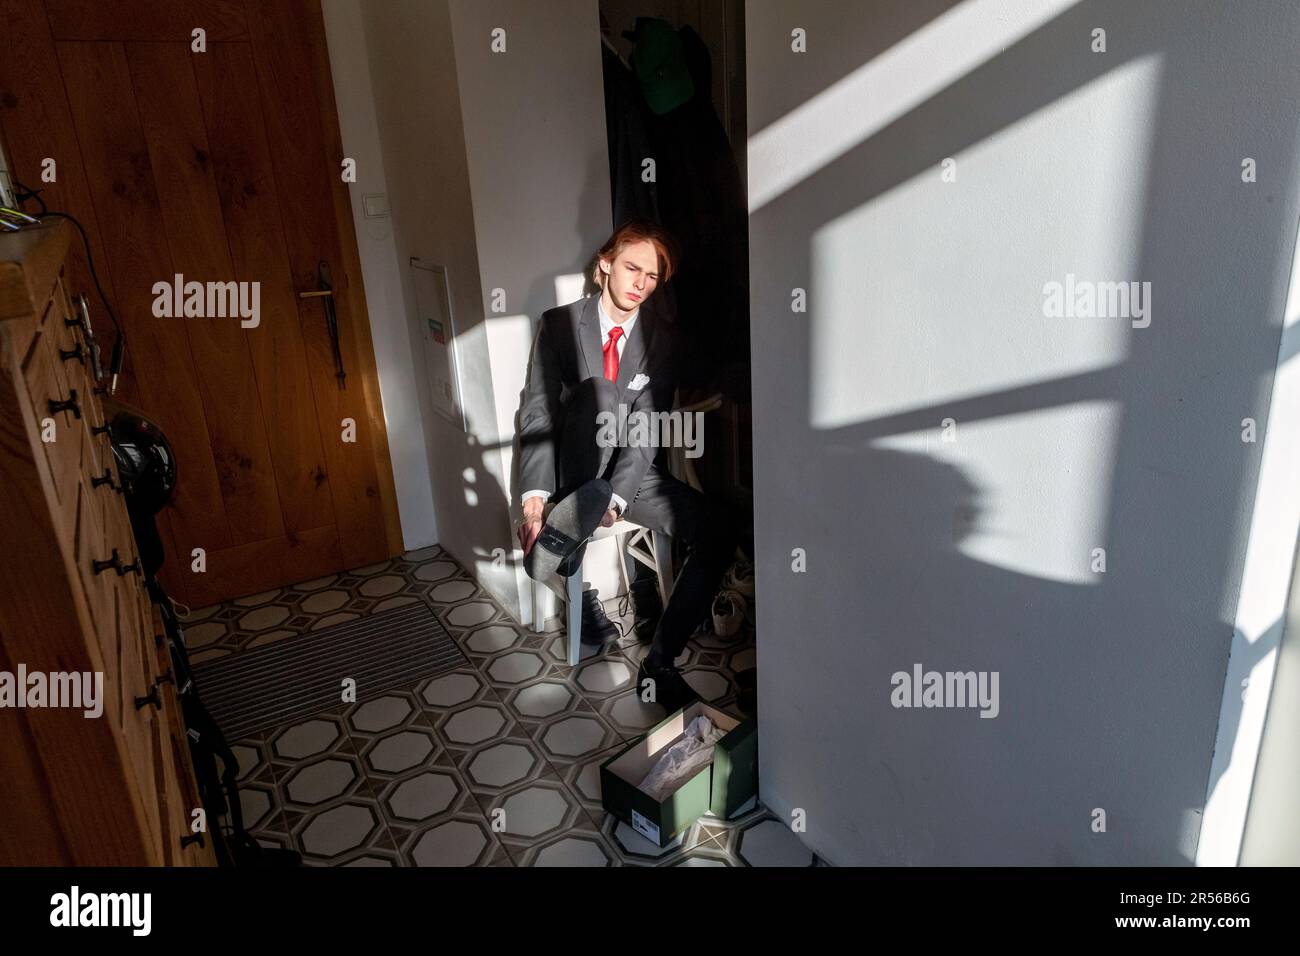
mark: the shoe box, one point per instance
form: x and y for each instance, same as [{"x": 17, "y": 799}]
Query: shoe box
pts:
[{"x": 720, "y": 787}]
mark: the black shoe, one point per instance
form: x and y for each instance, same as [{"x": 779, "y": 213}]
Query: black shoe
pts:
[
  {"x": 573, "y": 562},
  {"x": 646, "y": 609},
  {"x": 667, "y": 687},
  {"x": 747, "y": 702},
  {"x": 747, "y": 691},
  {"x": 566, "y": 530},
  {"x": 597, "y": 629}
]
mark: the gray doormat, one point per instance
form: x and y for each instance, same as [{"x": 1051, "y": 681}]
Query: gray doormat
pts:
[{"x": 302, "y": 676}]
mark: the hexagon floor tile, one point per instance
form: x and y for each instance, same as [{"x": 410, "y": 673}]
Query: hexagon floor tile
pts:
[
  {"x": 458, "y": 840},
  {"x": 453, "y": 689},
  {"x": 582, "y": 777},
  {"x": 579, "y": 846},
  {"x": 436, "y": 821},
  {"x": 491, "y": 750},
  {"x": 770, "y": 842},
  {"x": 344, "y": 829},
  {"x": 493, "y": 764},
  {"x": 536, "y": 814}
]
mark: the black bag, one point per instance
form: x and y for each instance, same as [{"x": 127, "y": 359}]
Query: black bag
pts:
[{"x": 219, "y": 789}]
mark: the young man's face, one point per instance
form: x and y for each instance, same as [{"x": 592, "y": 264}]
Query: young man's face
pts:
[{"x": 632, "y": 275}]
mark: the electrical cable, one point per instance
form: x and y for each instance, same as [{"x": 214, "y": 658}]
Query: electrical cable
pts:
[{"x": 22, "y": 194}]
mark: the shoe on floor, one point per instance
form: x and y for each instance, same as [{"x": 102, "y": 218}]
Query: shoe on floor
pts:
[
  {"x": 647, "y": 608},
  {"x": 597, "y": 628},
  {"x": 667, "y": 687},
  {"x": 740, "y": 578},
  {"x": 728, "y": 613}
]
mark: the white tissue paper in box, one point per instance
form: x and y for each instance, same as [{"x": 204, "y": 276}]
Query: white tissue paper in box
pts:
[{"x": 680, "y": 761}]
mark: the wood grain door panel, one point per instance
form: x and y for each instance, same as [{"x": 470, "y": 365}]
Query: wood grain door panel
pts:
[
  {"x": 289, "y": 49},
  {"x": 246, "y": 184},
  {"x": 116, "y": 163},
  {"x": 34, "y": 112},
  {"x": 146, "y": 19},
  {"x": 221, "y": 165}
]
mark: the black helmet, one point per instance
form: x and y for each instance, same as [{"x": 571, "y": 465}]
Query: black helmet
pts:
[
  {"x": 146, "y": 468},
  {"x": 145, "y": 463}
]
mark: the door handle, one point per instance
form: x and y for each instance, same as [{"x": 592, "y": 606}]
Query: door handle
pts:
[{"x": 325, "y": 291}]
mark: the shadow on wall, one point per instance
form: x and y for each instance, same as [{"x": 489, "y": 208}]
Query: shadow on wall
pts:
[
  {"x": 1117, "y": 684},
  {"x": 480, "y": 508},
  {"x": 483, "y": 494},
  {"x": 543, "y": 294},
  {"x": 484, "y": 517}
]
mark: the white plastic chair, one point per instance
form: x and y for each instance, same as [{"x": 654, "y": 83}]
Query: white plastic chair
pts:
[{"x": 650, "y": 548}]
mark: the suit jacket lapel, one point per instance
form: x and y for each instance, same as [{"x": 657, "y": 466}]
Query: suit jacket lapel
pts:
[{"x": 589, "y": 338}]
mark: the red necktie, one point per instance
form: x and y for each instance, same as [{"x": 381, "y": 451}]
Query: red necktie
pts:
[{"x": 611, "y": 354}]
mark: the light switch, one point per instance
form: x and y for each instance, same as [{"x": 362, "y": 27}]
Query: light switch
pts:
[{"x": 375, "y": 205}]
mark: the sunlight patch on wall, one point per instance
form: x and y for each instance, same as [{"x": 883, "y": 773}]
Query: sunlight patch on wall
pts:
[
  {"x": 861, "y": 104},
  {"x": 568, "y": 288},
  {"x": 934, "y": 291},
  {"x": 1042, "y": 486}
]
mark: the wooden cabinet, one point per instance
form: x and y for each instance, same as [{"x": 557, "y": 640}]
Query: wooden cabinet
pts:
[{"x": 112, "y": 789}]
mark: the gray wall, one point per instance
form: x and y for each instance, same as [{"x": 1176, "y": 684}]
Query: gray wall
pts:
[
  {"x": 925, "y": 303},
  {"x": 382, "y": 274},
  {"x": 417, "y": 112},
  {"x": 534, "y": 119},
  {"x": 495, "y": 167}
]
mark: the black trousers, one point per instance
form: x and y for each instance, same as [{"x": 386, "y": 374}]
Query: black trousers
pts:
[{"x": 704, "y": 527}]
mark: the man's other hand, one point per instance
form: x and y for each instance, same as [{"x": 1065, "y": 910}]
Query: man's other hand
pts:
[
  {"x": 531, "y": 526},
  {"x": 610, "y": 517}
]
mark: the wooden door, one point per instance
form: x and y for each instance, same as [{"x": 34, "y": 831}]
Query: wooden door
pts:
[{"x": 218, "y": 165}]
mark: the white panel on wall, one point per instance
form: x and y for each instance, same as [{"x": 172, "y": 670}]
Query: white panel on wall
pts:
[{"x": 436, "y": 326}]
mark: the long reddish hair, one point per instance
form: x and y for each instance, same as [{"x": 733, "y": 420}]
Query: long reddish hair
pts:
[{"x": 637, "y": 230}]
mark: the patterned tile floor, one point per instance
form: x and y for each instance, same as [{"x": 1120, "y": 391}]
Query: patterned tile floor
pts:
[{"x": 418, "y": 776}]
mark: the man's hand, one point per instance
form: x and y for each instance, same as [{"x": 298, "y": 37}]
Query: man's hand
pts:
[
  {"x": 610, "y": 517},
  {"x": 531, "y": 526}
]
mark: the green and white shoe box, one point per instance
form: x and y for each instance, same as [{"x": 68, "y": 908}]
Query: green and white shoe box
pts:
[{"x": 721, "y": 787}]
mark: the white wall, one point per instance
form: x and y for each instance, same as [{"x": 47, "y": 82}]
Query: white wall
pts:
[
  {"x": 417, "y": 113},
  {"x": 534, "y": 120},
  {"x": 381, "y": 274},
  {"x": 925, "y": 303},
  {"x": 495, "y": 166},
  {"x": 1272, "y": 829},
  {"x": 1253, "y": 816}
]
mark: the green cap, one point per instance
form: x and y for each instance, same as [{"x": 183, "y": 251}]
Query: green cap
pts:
[{"x": 660, "y": 64}]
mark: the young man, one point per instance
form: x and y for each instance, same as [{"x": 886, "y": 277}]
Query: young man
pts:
[{"x": 590, "y": 357}]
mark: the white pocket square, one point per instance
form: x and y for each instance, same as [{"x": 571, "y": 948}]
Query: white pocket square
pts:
[{"x": 639, "y": 381}]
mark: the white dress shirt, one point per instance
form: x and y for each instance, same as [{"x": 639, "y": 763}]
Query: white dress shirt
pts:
[{"x": 606, "y": 324}]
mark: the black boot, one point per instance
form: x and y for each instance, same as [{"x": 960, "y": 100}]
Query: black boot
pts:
[
  {"x": 646, "y": 607},
  {"x": 597, "y": 629},
  {"x": 664, "y": 686},
  {"x": 747, "y": 691}
]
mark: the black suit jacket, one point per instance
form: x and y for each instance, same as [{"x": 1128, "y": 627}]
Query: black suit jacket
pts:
[{"x": 567, "y": 352}]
